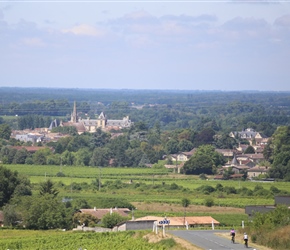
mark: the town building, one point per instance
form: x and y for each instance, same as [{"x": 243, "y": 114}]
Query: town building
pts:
[
  {"x": 91, "y": 125},
  {"x": 252, "y": 136}
]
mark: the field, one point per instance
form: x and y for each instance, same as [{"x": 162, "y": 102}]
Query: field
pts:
[{"x": 152, "y": 191}]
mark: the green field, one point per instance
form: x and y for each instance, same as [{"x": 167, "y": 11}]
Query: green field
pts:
[
  {"x": 149, "y": 186},
  {"x": 159, "y": 190},
  {"x": 146, "y": 184}
]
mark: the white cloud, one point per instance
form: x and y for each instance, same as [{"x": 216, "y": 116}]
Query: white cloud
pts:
[{"x": 84, "y": 30}]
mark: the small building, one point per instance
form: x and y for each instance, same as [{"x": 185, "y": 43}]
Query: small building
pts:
[
  {"x": 134, "y": 225},
  {"x": 190, "y": 221},
  {"x": 279, "y": 200},
  {"x": 183, "y": 156},
  {"x": 257, "y": 170},
  {"x": 31, "y": 137}
]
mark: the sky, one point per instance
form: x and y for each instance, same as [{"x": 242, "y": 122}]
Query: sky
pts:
[{"x": 186, "y": 45}]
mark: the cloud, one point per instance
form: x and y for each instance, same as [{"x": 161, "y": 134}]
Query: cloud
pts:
[
  {"x": 138, "y": 15},
  {"x": 283, "y": 21},
  {"x": 84, "y": 30},
  {"x": 240, "y": 23},
  {"x": 191, "y": 19},
  {"x": 35, "y": 42}
]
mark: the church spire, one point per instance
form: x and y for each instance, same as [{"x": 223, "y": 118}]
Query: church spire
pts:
[{"x": 74, "y": 113}]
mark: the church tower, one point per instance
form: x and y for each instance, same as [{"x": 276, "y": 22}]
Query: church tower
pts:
[{"x": 74, "y": 117}]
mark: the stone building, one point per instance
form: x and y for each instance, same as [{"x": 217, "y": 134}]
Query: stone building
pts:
[{"x": 91, "y": 125}]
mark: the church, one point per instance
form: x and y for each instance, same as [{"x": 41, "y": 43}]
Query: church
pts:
[{"x": 91, "y": 125}]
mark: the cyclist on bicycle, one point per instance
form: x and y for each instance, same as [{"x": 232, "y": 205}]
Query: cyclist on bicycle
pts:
[
  {"x": 233, "y": 234},
  {"x": 246, "y": 239}
]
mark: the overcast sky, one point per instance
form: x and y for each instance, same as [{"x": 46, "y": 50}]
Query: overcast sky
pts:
[{"x": 194, "y": 45}]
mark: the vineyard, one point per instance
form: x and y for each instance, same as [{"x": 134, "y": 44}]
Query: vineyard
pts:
[
  {"x": 41, "y": 240},
  {"x": 153, "y": 186},
  {"x": 149, "y": 185}
]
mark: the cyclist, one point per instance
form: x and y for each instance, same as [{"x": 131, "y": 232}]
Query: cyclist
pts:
[
  {"x": 233, "y": 234},
  {"x": 246, "y": 239}
]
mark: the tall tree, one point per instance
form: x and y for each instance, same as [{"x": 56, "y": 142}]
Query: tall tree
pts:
[
  {"x": 8, "y": 183},
  {"x": 204, "y": 161},
  {"x": 100, "y": 157},
  {"x": 47, "y": 187},
  {"x": 45, "y": 212},
  {"x": 5, "y": 131}
]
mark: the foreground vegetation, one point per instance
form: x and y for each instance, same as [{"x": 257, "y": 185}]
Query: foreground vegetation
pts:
[
  {"x": 271, "y": 229},
  {"x": 27, "y": 240}
]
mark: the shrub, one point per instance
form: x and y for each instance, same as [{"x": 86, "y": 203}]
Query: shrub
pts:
[
  {"x": 206, "y": 189},
  {"x": 230, "y": 190},
  {"x": 173, "y": 186},
  {"x": 209, "y": 202},
  {"x": 60, "y": 174},
  {"x": 202, "y": 177}
]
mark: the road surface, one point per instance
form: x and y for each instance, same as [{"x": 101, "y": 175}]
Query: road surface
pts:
[{"x": 208, "y": 240}]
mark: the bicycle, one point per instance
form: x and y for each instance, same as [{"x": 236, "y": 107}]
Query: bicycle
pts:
[
  {"x": 233, "y": 239},
  {"x": 246, "y": 243}
]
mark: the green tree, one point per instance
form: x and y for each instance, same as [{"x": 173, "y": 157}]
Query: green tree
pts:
[
  {"x": 185, "y": 145},
  {"x": 82, "y": 157},
  {"x": 11, "y": 216},
  {"x": 204, "y": 161},
  {"x": 5, "y": 131},
  {"x": 40, "y": 156},
  {"x": 85, "y": 219},
  {"x": 171, "y": 146},
  {"x": 78, "y": 142},
  {"x": 99, "y": 139},
  {"x": 249, "y": 150},
  {"x": 134, "y": 156},
  {"x": 112, "y": 219},
  {"x": 8, "y": 182},
  {"x": 7, "y": 154},
  {"x": 45, "y": 212},
  {"x": 278, "y": 151},
  {"x": 224, "y": 141},
  {"x": 47, "y": 187},
  {"x": 67, "y": 158},
  {"x": 100, "y": 157},
  {"x": 20, "y": 156},
  {"x": 118, "y": 147},
  {"x": 206, "y": 136}
]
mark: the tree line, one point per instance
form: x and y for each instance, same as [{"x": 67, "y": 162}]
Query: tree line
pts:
[{"x": 141, "y": 145}]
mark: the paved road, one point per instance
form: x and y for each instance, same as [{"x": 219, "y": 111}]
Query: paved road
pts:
[{"x": 208, "y": 240}]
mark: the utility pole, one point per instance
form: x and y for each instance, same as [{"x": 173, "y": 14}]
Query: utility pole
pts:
[{"x": 99, "y": 178}]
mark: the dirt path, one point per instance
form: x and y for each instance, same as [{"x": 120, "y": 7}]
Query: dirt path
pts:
[{"x": 181, "y": 243}]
